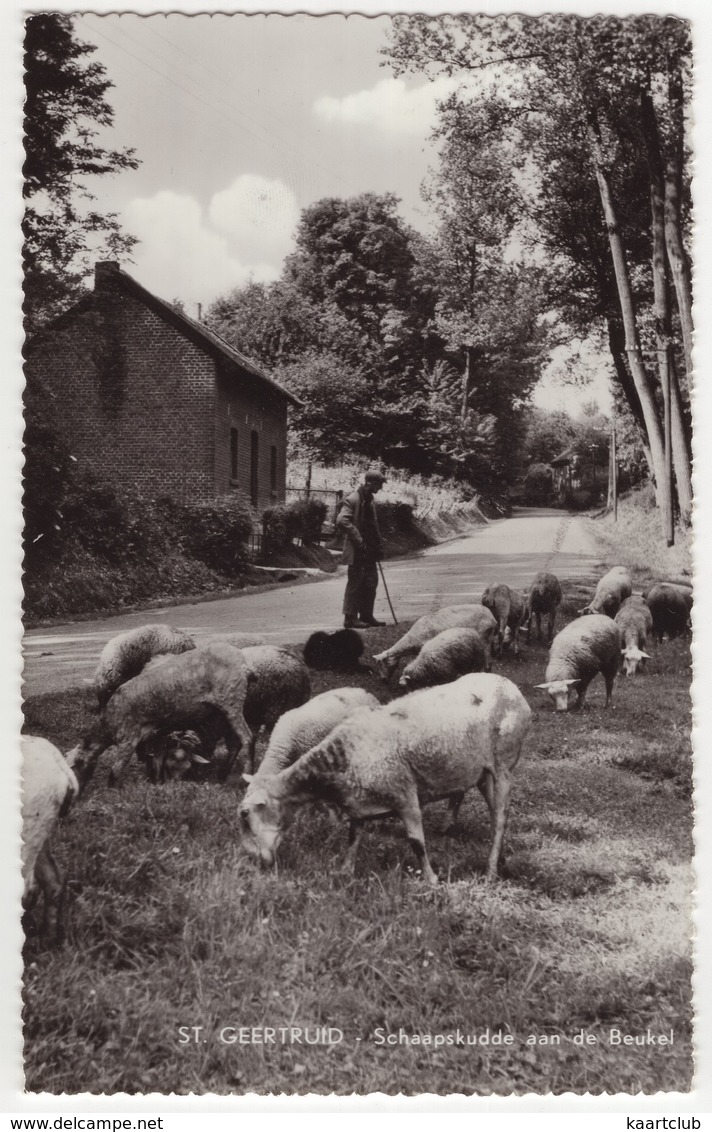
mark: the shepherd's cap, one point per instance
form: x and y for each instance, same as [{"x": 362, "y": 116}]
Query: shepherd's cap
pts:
[{"x": 374, "y": 477}]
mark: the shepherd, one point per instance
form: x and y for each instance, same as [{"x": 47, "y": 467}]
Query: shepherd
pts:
[{"x": 363, "y": 550}]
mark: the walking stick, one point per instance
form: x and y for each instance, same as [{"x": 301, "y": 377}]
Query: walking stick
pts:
[{"x": 383, "y": 579}]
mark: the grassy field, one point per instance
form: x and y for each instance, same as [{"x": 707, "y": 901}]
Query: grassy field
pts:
[{"x": 171, "y": 926}]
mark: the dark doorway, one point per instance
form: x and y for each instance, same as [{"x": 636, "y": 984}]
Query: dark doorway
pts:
[{"x": 254, "y": 467}]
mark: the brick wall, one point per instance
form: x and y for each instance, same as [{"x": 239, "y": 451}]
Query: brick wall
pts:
[
  {"x": 141, "y": 405},
  {"x": 244, "y": 407}
]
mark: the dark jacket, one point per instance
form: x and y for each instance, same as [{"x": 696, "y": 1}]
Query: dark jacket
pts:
[{"x": 357, "y": 518}]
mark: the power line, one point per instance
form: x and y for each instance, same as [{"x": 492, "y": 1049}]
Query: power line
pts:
[{"x": 214, "y": 105}]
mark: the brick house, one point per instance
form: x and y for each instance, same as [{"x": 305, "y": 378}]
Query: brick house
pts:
[{"x": 148, "y": 398}]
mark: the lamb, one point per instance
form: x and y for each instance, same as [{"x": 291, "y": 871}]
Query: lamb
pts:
[
  {"x": 434, "y": 743},
  {"x": 544, "y": 597},
  {"x": 508, "y": 608},
  {"x": 126, "y": 654},
  {"x": 180, "y": 692},
  {"x": 670, "y": 607},
  {"x": 341, "y": 650},
  {"x": 300, "y": 729},
  {"x": 277, "y": 681},
  {"x": 634, "y": 621},
  {"x": 445, "y": 657},
  {"x": 580, "y": 651},
  {"x": 428, "y": 626},
  {"x": 49, "y": 786},
  {"x": 612, "y": 590}
]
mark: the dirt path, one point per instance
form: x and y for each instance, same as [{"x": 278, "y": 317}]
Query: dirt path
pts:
[{"x": 508, "y": 550}]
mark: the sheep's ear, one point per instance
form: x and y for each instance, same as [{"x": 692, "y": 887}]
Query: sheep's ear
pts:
[
  {"x": 544, "y": 686},
  {"x": 196, "y": 758},
  {"x": 624, "y": 651},
  {"x": 577, "y": 681},
  {"x": 247, "y": 777},
  {"x": 646, "y": 655}
]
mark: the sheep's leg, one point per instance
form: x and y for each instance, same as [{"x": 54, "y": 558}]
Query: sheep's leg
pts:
[
  {"x": 581, "y": 689},
  {"x": 355, "y": 835},
  {"x": 240, "y": 737},
  {"x": 486, "y": 789},
  {"x": 124, "y": 752},
  {"x": 51, "y": 882},
  {"x": 412, "y": 819},
  {"x": 552, "y": 619},
  {"x": 515, "y": 643},
  {"x": 538, "y": 625},
  {"x": 453, "y": 809},
  {"x": 500, "y": 789},
  {"x": 609, "y": 676}
]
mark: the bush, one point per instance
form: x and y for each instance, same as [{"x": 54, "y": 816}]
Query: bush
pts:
[
  {"x": 582, "y": 499},
  {"x": 538, "y": 484},
  {"x": 218, "y": 533},
  {"x": 308, "y": 516},
  {"x": 302, "y": 518}
]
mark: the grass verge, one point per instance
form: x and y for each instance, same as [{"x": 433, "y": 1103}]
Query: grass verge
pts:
[
  {"x": 171, "y": 927},
  {"x": 636, "y": 540}
]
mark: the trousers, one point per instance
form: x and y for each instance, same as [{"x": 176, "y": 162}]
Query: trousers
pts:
[{"x": 361, "y": 586}]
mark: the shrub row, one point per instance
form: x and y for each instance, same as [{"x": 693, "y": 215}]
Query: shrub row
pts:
[{"x": 99, "y": 548}]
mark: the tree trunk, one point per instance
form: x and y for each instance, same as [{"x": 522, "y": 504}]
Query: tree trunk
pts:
[
  {"x": 677, "y": 255},
  {"x": 638, "y": 371},
  {"x": 466, "y": 383},
  {"x": 675, "y": 445}
]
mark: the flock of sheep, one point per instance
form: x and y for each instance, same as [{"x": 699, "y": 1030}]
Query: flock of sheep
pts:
[{"x": 171, "y": 703}]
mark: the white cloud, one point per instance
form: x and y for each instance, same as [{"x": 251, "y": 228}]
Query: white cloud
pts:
[
  {"x": 179, "y": 256},
  {"x": 261, "y": 215},
  {"x": 392, "y": 106}
]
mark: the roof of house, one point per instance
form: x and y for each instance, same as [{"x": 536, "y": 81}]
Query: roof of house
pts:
[
  {"x": 568, "y": 456},
  {"x": 197, "y": 332}
]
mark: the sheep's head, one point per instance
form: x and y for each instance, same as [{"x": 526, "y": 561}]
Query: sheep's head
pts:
[
  {"x": 632, "y": 657},
  {"x": 261, "y": 821},
  {"x": 407, "y": 682},
  {"x": 559, "y": 690},
  {"x": 385, "y": 664},
  {"x": 174, "y": 756},
  {"x": 83, "y": 758}
]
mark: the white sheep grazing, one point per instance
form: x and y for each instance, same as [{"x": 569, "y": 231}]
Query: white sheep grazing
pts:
[
  {"x": 544, "y": 597},
  {"x": 300, "y": 729},
  {"x": 434, "y": 743},
  {"x": 578, "y": 653},
  {"x": 612, "y": 590},
  {"x": 635, "y": 622},
  {"x": 508, "y": 607},
  {"x": 428, "y": 626},
  {"x": 126, "y": 654},
  {"x": 49, "y": 785},
  {"x": 453, "y": 653},
  {"x": 179, "y": 692},
  {"x": 277, "y": 681}
]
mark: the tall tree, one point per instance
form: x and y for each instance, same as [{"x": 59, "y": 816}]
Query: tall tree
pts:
[
  {"x": 64, "y": 110},
  {"x": 577, "y": 84},
  {"x": 350, "y": 319}
]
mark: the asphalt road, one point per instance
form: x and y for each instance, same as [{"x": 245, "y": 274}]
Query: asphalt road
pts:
[{"x": 507, "y": 550}]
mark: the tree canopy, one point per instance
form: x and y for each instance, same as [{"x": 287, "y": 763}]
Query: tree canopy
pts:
[{"x": 64, "y": 110}]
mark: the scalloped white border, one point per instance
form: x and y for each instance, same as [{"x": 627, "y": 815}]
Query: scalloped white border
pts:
[{"x": 12, "y": 1100}]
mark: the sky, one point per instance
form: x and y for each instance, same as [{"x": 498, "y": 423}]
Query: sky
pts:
[{"x": 239, "y": 122}]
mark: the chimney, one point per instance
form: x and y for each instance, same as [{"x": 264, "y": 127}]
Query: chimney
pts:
[{"x": 105, "y": 271}]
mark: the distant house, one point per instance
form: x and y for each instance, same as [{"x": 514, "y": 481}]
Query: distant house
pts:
[
  {"x": 566, "y": 471},
  {"x": 148, "y": 398}
]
